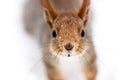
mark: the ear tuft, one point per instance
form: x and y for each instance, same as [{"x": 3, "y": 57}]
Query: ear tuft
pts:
[
  {"x": 48, "y": 18},
  {"x": 84, "y": 11},
  {"x": 50, "y": 13}
]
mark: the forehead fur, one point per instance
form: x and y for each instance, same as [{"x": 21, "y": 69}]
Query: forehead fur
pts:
[{"x": 67, "y": 19}]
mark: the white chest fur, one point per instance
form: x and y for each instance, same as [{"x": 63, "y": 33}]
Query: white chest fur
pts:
[{"x": 71, "y": 68}]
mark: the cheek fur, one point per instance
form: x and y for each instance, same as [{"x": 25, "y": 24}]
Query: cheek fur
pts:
[
  {"x": 56, "y": 47},
  {"x": 80, "y": 47}
]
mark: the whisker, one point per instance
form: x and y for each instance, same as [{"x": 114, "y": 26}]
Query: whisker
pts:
[
  {"x": 44, "y": 57},
  {"x": 86, "y": 60},
  {"x": 91, "y": 56},
  {"x": 97, "y": 59},
  {"x": 39, "y": 61}
]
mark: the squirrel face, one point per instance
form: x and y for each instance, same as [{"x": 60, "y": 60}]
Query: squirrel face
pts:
[{"x": 68, "y": 35}]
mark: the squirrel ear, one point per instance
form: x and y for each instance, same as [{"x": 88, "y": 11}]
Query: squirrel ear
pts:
[
  {"x": 84, "y": 11},
  {"x": 50, "y": 13}
]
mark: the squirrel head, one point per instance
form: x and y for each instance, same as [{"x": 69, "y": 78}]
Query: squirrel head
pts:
[{"x": 67, "y": 29}]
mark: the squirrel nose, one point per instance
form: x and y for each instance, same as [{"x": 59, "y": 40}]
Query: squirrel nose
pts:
[{"x": 68, "y": 46}]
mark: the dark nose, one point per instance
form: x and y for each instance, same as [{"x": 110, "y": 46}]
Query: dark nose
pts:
[{"x": 68, "y": 46}]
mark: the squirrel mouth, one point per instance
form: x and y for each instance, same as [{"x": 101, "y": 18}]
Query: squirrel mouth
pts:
[{"x": 68, "y": 55}]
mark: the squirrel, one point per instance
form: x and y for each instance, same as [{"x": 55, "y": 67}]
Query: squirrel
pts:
[{"x": 61, "y": 27}]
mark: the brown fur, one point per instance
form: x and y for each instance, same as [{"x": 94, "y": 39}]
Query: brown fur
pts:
[
  {"x": 65, "y": 24},
  {"x": 68, "y": 27}
]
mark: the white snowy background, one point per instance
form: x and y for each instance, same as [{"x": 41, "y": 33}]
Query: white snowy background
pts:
[{"x": 20, "y": 54}]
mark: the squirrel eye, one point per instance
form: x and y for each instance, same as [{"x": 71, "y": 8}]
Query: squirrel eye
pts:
[
  {"x": 54, "y": 34},
  {"x": 82, "y": 33}
]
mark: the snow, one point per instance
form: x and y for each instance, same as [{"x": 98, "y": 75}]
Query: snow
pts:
[{"x": 20, "y": 57}]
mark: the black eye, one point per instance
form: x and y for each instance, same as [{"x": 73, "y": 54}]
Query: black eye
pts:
[
  {"x": 82, "y": 33},
  {"x": 54, "y": 34}
]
